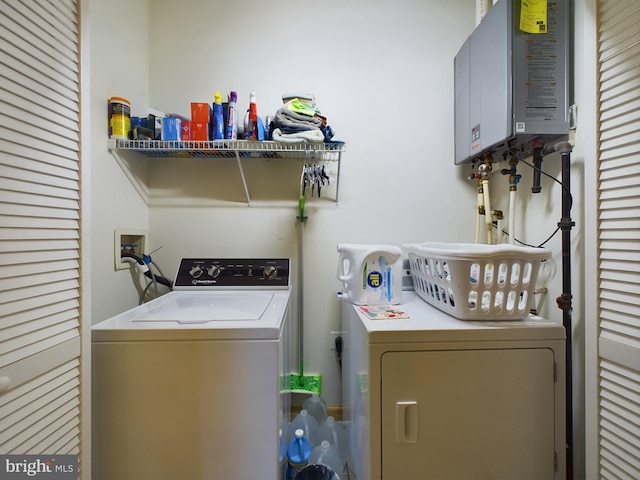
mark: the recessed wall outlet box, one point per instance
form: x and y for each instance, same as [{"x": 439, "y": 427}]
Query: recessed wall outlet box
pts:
[{"x": 135, "y": 242}]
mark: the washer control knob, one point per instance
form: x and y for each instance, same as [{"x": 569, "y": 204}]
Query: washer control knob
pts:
[
  {"x": 270, "y": 271},
  {"x": 195, "y": 271},
  {"x": 213, "y": 271}
]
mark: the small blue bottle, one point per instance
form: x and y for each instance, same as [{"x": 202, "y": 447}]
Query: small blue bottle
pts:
[{"x": 298, "y": 454}]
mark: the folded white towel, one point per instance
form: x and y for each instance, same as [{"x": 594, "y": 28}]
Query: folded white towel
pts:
[{"x": 313, "y": 135}]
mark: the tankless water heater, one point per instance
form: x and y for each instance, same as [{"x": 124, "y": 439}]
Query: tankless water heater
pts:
[{"x": 512, "y": 87}]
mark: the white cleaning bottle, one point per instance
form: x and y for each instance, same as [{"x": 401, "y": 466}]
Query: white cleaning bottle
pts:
[
  {"x": 317, "y": 407},
  {"x": 334, "y": 433},
  {"x": 370, "y": 274},
  {"x": 326, "y": 454}
]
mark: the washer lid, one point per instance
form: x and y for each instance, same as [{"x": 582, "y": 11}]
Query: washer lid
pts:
[
  {"x": 200, "y": 315},
  {"x": 190, "y": 308}
]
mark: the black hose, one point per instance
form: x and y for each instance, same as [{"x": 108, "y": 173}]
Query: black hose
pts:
[
  {"x": 160, "y": 279},
  {"x": 157, "y": 278}
]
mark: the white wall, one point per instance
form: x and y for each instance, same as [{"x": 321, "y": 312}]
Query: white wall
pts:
[
  {"x": 382, "y": 75},
  {"x": 119, "y": 41},
  {"x": 382, "y": 72}
]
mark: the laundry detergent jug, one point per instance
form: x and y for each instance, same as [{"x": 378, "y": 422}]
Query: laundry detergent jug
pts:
[{"x": 370, "y": 274}]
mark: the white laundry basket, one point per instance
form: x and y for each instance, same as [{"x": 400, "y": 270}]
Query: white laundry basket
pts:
[{"x": 476, "y": 281}]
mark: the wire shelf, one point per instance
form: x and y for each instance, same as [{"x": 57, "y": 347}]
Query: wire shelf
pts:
[
  {"x": 309, "y": 153},
  {"x": 230, "y": 149}
]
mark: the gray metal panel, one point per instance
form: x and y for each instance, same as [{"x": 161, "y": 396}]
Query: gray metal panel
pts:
[
  {"x": 491, "y": 79},
  {"x": 516, "y": 84},
  {"x": 462, "y": 81},
  {"x": 541, "y": 72}
]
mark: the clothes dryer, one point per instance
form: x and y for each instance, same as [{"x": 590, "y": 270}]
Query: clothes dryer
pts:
[
  {"x": 430, "y": 396},
  {"x": 189, "y": 385}
]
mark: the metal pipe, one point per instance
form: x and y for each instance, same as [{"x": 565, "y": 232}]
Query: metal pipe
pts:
[
  {"x": 480, "y": 209},
  {"x": 487, "y": 210},
  {"x": 564, "y": 301},
  {"x": 537, "y": 164},
  {"x": 512, "y": 217},
  {"x": 499, "y": 218},
  {"x": 484, "y": 170},
  {"x": 514, "y": 179}
]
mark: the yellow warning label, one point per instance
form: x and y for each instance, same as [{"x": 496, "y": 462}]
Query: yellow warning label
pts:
[{"x": 533, "y": 16}]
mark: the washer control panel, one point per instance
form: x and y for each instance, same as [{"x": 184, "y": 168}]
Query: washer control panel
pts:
[{"x": 203, "y": 273}]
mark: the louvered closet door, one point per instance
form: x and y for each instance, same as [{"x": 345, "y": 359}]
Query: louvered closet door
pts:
[
  {"x": 618, "y": 229},
  {"x": 39, "y": 227}
]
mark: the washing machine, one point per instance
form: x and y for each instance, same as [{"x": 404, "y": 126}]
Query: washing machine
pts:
[
  {"x": 191, "y": 384},
  {"x": 430, "y": 396}
]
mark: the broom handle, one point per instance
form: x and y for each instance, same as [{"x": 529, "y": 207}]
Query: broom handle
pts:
[
  {"x": 302, "y": 218},
  {"x": 301, "y": 302}
]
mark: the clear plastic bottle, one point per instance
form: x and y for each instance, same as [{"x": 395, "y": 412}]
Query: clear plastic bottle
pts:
[
  {"x": 298, "y": 453},
  {"x": 317, "y": 407},
  {"x": 326, "y": 454},
  {"x": 307, "y": 423},
  {"x": 334, "y": 433}
]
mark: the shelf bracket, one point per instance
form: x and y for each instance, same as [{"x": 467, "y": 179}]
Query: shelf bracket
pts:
[
  {"x": 139, "y": 186},
  {"x": 338, "y": 176},
  {"x": 244, "y": 180}
]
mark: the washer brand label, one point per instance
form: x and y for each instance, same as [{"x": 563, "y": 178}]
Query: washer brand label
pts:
[
  {"x": 204, "y": 282},
  {"x": 50, "y": 467}
]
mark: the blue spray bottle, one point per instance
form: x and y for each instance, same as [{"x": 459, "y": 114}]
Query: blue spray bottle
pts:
[{"x": 218, "y": 120}]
